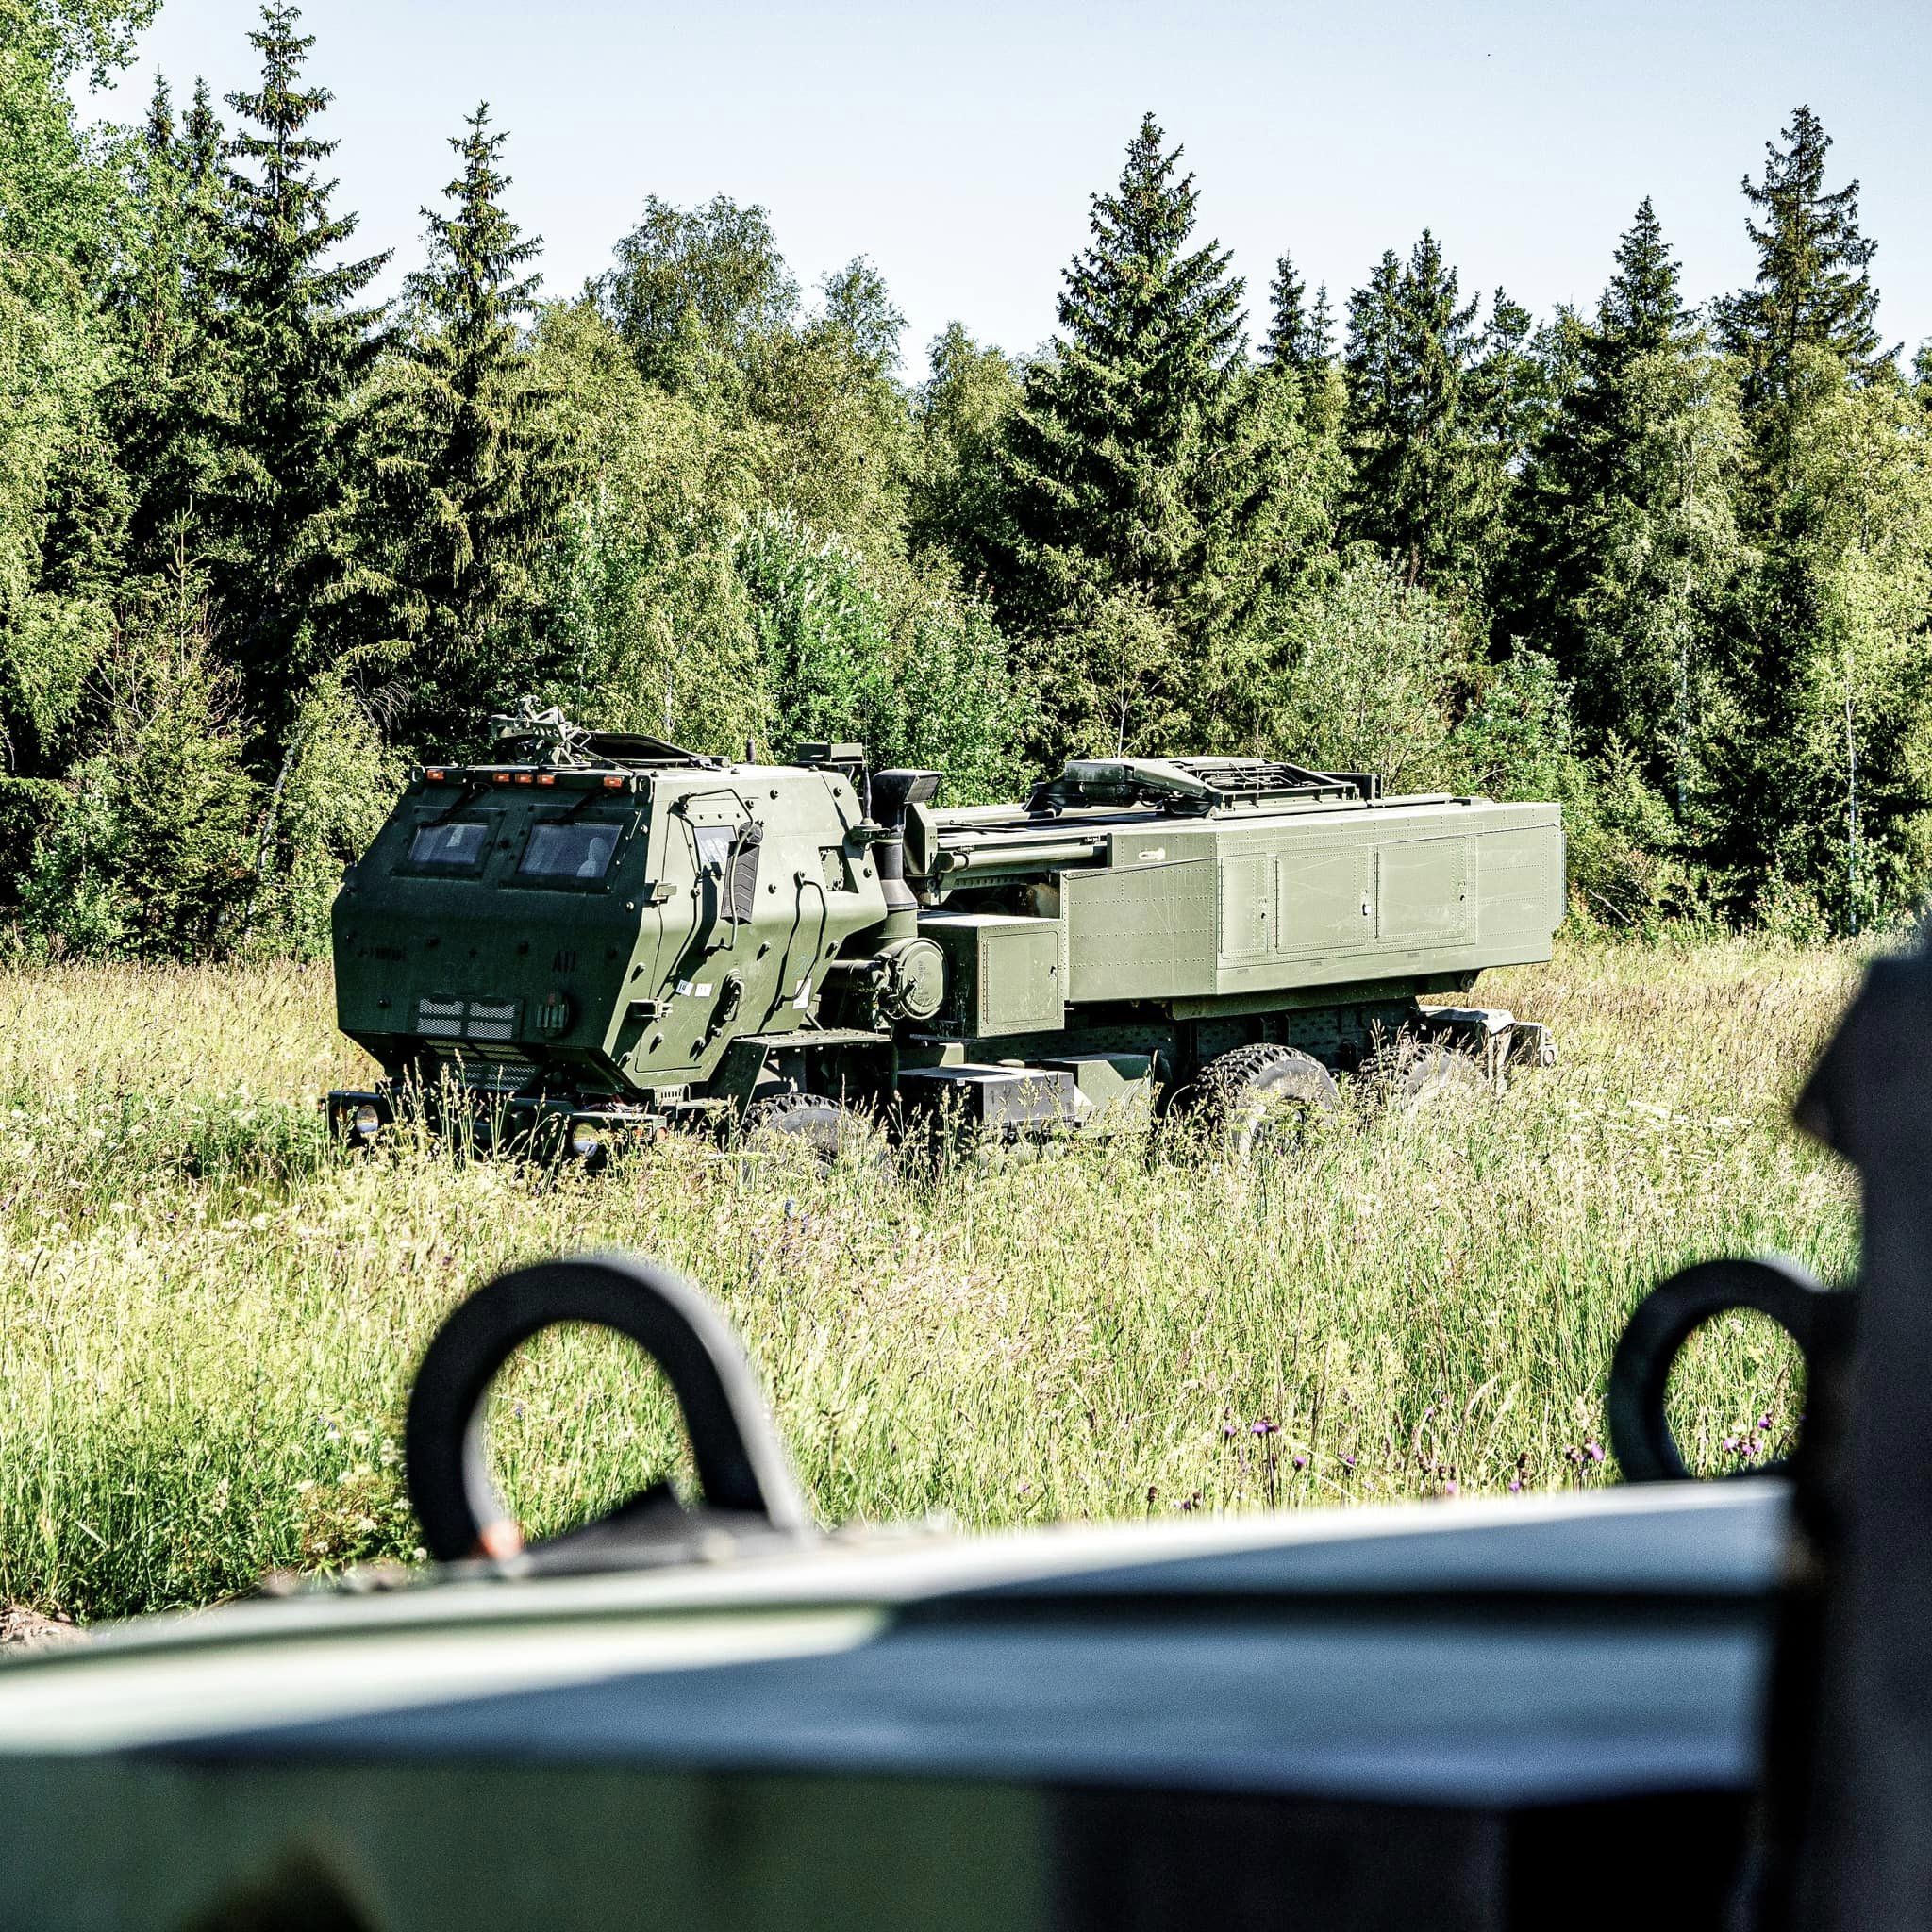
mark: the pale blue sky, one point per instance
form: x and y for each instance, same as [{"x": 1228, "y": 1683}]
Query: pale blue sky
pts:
[{"x": 958, "y": 146}]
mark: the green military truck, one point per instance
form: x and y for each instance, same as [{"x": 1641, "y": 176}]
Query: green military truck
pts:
[{"x": 593, "y": 935}]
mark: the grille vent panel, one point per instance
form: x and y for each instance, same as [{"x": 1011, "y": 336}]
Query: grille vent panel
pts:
[
  {"x": 488, "y": 1072},
  {"x": 452, "y": 1019}
]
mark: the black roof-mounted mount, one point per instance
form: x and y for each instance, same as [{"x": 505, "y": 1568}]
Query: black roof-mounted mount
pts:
[{"x": 544, "y": 736}]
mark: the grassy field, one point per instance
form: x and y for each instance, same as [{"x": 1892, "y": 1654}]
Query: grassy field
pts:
[{"x": 209, "y": 1320}]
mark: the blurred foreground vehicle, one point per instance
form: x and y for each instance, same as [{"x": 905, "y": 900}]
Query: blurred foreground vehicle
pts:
[
  {"x": 1668, "y": 1705},
  {"x": 595, "y": 936}
]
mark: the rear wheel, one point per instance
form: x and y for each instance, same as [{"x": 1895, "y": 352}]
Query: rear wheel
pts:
[
  {"x": 832, "y": 1132},
  {"x": 1261, "y": 1096},
  {"x": 1417, "y": 1074}
]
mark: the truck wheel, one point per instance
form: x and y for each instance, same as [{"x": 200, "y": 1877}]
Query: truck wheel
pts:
[
  {"x": 1417, "y": 1074},
  {"x": 832, "y": 1132},
  {"x": 1261, "y": 1094}
]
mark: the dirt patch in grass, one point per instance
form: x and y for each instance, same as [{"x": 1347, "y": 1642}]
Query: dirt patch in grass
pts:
[{"x": 22, "y": 1630}]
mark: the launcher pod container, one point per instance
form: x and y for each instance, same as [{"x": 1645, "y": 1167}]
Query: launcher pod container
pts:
[{"x": 598, "y": 934}]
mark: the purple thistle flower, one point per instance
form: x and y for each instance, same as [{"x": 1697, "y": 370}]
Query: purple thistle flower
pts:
[
  {"x": 1263, "y": 1427},
  {"x": 1594, "y": 1451},
  {"x": 1299, "y": 1461}
]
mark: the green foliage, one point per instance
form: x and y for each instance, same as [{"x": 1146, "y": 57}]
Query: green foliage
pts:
[
  {"x": 1813, "y": 288},
  {"x": 71, "y": 38},
  {"x": 1627, "y": 541},
  {"x": 297, "y": 352},
  {"x": 957, "y": 498},
  {"x": 1679, "y": 581},
  {"x": 694, "y": 294},
  {"x": 1438, "y": 413},
  {"x": 472, "y": 464},
  {"x": 825, "y": 638},
  {"x": 1373, "y": 676},
  {"x": 1849, "y": 687},
  {"x": 645, "y": 615},
  {"x": 966, "y": 711},
  {"x": 165, "y": 399},
  {"x": 148, "y": 858},
  {"x": 61, "y": 502},
  {"x": 916, "y": 673},
  {"x": 1517, "y": 738},
  {"x": 338, "y": 782},
  {"x": 1124, "y": 482},
  {"x": 1116, "y": 675},
  {"x": 1301, "y": 334},
  {"x": 832, "y": 443},
  {"x": 31, "y": 810}
]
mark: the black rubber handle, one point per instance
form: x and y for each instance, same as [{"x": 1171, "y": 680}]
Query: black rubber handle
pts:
[
  {"x": 741, "y": 1462},
  {"x": 1665, "y": 1319}
]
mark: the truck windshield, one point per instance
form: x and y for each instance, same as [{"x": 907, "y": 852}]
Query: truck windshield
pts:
[
  {"x": 456, "y": 842},
  {"x": 569, "y": 852}
]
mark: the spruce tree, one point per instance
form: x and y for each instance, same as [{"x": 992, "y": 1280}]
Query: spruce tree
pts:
[
  {"x": 1626, "y": 540},
  {"x": 163, "y": 405},
  {"x": 1813, "y": 289},
  {"x": 1807, "y": 772},
  {"x": 1411, "y": 441},
  {"x": 472, "y": 460},
  {"x": 297, "y": 351},
  {"x": 1128, "y": 495},
  {"x": 1301, "y": 336}
]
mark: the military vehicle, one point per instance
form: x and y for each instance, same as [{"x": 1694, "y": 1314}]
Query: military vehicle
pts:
[
  {"x": 594, "y": 934},
  {"x": 1672, "y": 1705}
]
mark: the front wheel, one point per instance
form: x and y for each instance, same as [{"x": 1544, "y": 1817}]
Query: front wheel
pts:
[{"x": 1262, "y": 1096}]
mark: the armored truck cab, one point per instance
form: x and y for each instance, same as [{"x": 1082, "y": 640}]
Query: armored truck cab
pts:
[{"x": 594, "y": 932}]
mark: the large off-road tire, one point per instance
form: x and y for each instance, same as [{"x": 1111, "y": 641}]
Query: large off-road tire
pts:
[
  {"x": 1415, "y": 1073},
  {"x": 1261, "y": 1096},
  {"x": 833, "y": 1132}
]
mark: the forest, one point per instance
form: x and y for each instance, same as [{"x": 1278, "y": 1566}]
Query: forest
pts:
[{"x": 265, "y": 539}]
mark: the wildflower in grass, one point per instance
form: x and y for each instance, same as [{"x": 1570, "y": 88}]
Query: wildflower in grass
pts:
[
  {"x": 1263, "y": 1427},
  {"x": 1298, "y": 1461}
]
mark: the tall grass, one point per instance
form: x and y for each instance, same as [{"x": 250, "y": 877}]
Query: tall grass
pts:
[{"x": 208, "y": 1319}]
